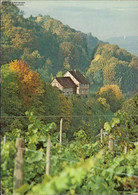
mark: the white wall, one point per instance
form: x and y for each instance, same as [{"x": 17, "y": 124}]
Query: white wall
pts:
[
  {"x": 55, "y": 83},
  {"x": 67, "y": 74}
]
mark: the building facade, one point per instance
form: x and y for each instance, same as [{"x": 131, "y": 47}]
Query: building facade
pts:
[
  {"x": 73, "y": 82},
  {"x": 65, "y": 84},
  {"x": 81, "y": 82}
]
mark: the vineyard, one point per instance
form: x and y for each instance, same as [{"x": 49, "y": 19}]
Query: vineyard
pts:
[
  {"x": 55, "y": 144},
  {"x": 105, "y": 164}
]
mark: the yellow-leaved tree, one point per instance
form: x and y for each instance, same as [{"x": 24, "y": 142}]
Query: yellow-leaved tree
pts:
[{"x": 113, "y": 96}]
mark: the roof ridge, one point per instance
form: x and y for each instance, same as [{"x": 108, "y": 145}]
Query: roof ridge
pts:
[{"x": 79, "y": 76}]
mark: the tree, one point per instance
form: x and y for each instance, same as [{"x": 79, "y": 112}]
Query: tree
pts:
[
  {"x": 68, "y": 55},
  {"x": 65, "y": 107},
  {"x": 130, "y": 106},
  {"x": 59, "y": 74},
  {"x": 98, "y": 77},
  {"x": 11, "y": 102},
  {"x": 126, "y": 77},
  {"x": 34, "y": 59},
  {"x": 109, "y": 74},
  {"x": 97, "y": 110},
  {"x": 51, "y": 102},
  {"x": 44, "y": 74},
  {"x": 113, "y": 96},
  {"x": 116, "y": 66},
  {"x": 30, "y": 85},
  {"x": 78, "y": 108}
]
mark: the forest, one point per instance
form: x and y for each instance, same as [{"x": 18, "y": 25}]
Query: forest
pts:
[{"x": 34, "y": 51}]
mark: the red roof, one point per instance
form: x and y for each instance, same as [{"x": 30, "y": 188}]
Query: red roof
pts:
[{"x": 66, "y": 82}]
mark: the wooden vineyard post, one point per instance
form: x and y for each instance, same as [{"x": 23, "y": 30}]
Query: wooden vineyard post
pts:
[
  {"x": 101, "y": 135},
  {"x": 61, "y": 126},
  {"x": 125, "y": 149},
  {"x": 19, "y": 165},
  {"x": 111, "y": 143},
  {"x": 4, "y": 140},
  {"x": 48, "y": 156}
]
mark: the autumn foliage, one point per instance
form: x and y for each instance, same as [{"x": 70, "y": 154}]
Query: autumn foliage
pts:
[
  {"x": 113, "y": 96},
  {"x": 114, "y": 88},
  {"x": 29, "y": 81}
]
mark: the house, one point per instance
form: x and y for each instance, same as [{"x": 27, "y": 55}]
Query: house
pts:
[
  {"x": 65, "y": 84},
  {"x": 81, "y": 82}
]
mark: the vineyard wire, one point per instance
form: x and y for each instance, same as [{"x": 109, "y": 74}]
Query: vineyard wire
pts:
[
  {"x": 67, "y": 116},
  {"x": 117, "y": 173}
]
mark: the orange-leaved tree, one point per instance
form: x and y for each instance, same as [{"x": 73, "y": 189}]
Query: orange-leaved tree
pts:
[{"x": 29, "y": 80}]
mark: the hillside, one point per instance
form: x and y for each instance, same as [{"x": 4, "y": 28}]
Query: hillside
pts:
[
  {"x": 113, "y": 65},
  {"x": 52, "y": 48},
  {"x": 44, "y": 43},
  {"x": 66, "y": 33},
  {"x": 130, "y": 43}
]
